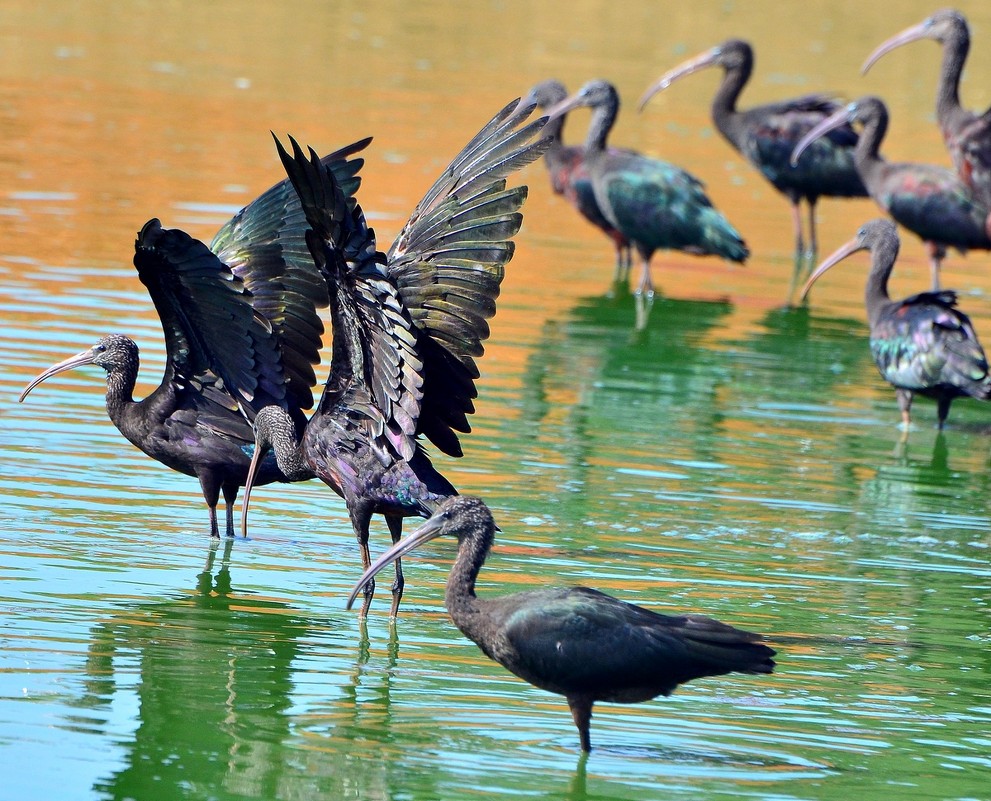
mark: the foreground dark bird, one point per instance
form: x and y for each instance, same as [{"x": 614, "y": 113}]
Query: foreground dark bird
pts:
[
  {"x": 407, "y": 329},
  {"x": 242, "y": 312},
  {"x": 766, "y": 135},
  {"x": 967, "y": 134},
  {"x": 930, "y": 201},
  {"x": 570, "y": 178},
  {"x": 577, "y": 642},
  {"x": 654, "y": 204},
  {"x": 922, "y": 345}
]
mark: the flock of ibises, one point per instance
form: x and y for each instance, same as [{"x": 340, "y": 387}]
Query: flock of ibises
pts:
[{"x": 243, "y": 331}]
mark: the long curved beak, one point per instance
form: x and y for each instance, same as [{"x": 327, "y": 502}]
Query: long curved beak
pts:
[
  {"x": 833, "y": 258},
  {"x": 87, "y": 356},
  {"x": 249, "y": 482},
  {"x": 699, "y": 62},
  {"x": 431, "y": 529},
  {"x": 913, "y": 34},
  {"x": 835, "y": 120}
]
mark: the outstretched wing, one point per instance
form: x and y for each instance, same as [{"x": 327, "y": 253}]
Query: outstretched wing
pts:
[
  {"x": 448, "y": 263},
  {"x": 375, "y": 365},
  {"x": 264, "y": 246},
  {"x": 207, "y": 316}
]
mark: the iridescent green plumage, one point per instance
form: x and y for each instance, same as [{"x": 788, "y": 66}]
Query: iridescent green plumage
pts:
[{"x": 923, "y": 344}]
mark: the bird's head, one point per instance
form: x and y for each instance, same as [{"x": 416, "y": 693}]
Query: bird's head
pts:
[
  {"x": 732, "y": 55},
  {"x": 947, "y": 25},
  {"x": 112, "y": 352}
]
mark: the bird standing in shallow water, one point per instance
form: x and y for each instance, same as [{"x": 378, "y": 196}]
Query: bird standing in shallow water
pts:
[
  {"x": 577, "y": 642},
  {"x": 930, "y": 201},
  {"x": 922, "y": 345},
  {"x": 654, "y": 204},
  {"x": 407, "y": 325},
  {"x": 766, "y": 135},
  {"x": 967, "y": 135},
  {"x": 242, "y": 312},
  {"x": 570, "y": 178}
]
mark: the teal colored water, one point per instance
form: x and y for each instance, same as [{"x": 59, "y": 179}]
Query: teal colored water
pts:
[{"x": 728, "y": 455}]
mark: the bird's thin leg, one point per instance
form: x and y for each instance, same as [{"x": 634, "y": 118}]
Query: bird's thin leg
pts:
[
  {"x": 798, "y": 267},
  {"x": 396, "y": 530},
  {"x": 905, "y": 404},
  {"x": 796, "y": 221},
  {"x": 936, "y": 254},
  {"x": 360, "y": 519},
  {"x": 942, "y": 410},
  {"x": 624, "y": 260},
  {"x": 230, "y": 497},
  {"x": 581, "y": 713},
  {"x": 646, "y": 283},
  {"x": 211, "y": 494},
  {"x": 813, "y": 250}
]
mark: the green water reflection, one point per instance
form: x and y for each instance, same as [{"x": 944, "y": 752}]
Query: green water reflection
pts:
[{"x": 720, "y": 454}]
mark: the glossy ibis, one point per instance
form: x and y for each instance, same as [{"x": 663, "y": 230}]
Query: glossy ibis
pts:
[
  {"x": 967, "y": 135},
  {"x": 242, "y": 312},
  {"x": 577, "y": 642},
  {"x": 570, "y": 178},
  {"x": 654, "y": 204},
  {"x": 766, "y": 135},
  {"x": 922, "y": 345},
  {"x": 930, "y": 201},
  {"x": 407, "y": 325}
]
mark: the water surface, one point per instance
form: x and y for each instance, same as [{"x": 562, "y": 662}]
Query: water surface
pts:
[{"x": 733, "y": 456}]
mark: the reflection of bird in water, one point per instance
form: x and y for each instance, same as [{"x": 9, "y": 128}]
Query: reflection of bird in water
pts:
[
  {"x": 577, "y": 642},
  {"x": 210, "y": 675},
  {"x": 570, "y": 178},
  {"x": 408, "y": 326},
  {"x": 242, "y": 312},
  {"x": 922, "y": 344},
  {"x": 766, "y": 134},
  {"x": 654, "y": 204},
  {"x": 967, "y": 135},
  {"x": 931, "y": 201}
]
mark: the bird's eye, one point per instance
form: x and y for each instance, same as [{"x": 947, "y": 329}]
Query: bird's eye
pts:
[{"x": 100, "y": 348}]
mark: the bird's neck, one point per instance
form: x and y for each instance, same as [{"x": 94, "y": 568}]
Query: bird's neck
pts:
[
  {"x": 462, "y": 604},
  {"x": 876, "y": 295},
  {"x": 603, "y": 118},
  {"x": 724, "y": 113},
  {"x": 120, "y": 391},
  {"x": 955, "y": 50},
  {"x": 290, "y": 458},
  {"x": 866, "y": 155}
]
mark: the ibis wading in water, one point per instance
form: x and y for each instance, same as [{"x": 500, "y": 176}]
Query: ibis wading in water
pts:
[
  {"x": 407, "y": 328},
  {"x": 966, "y": 133},
  {"x": 577, "y": 642},
  {"x": 930, "y": 201},
  {"x": 239, "y": 313},
  {"x": 766, "y": 135},
  {"x": 655, "y": 205},
  {"x": 923, "y": 344},
  {"x": 570, "y": 178}
]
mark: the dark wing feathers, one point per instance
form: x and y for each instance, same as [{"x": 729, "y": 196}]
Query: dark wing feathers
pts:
[
  {"x": 209, "y": 323},
  {"x": 264, "y": 245},
  {"x": 924, "y": 342},
  {"x": 418, "y": 317},
  {"x": 374, "y": 341},
  {"x": 579, "y": 640},
  {"x": 448, "y": 263}
]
